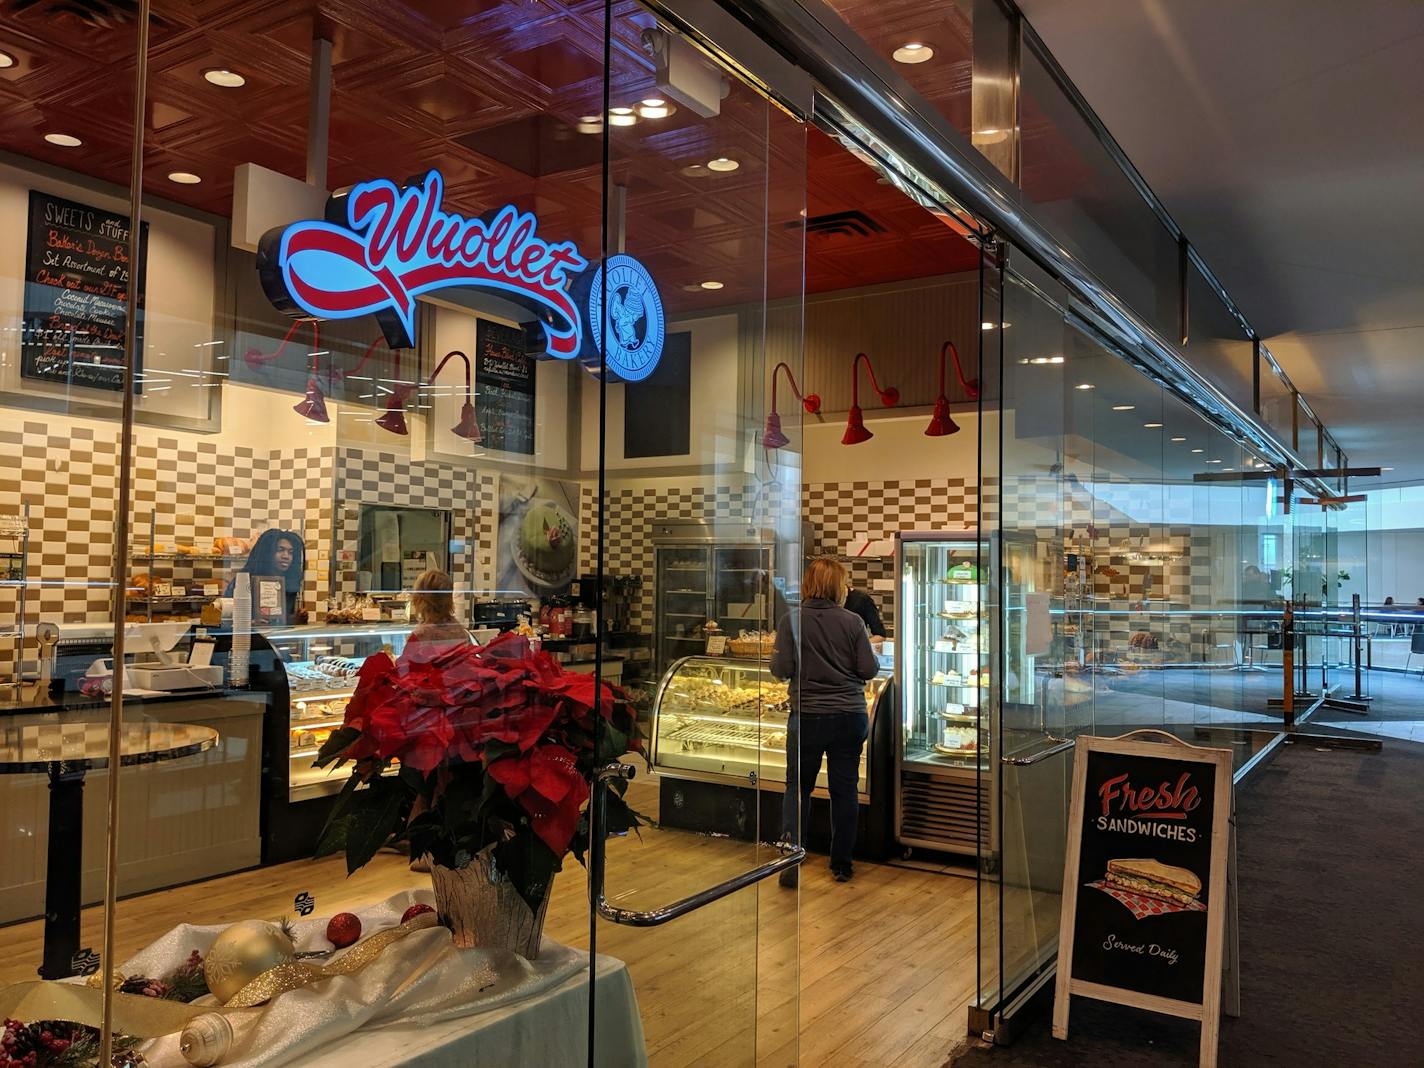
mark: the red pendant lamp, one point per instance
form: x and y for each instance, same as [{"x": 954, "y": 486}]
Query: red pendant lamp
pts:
[
  {"x": 855, "y": 431},
  {"x": 941, "y": 422},
  {"x": 313, "y": 405},
  {"x": 772, "y": 437},
  {"x": 467, "y": 428},
  {"x": 393, "y": 418}
]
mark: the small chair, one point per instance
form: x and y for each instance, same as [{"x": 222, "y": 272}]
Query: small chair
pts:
[{"x": 1416, "y": 645}]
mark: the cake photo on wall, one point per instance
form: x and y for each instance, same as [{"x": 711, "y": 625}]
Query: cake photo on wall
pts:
[{"x": 538, "y": 535}]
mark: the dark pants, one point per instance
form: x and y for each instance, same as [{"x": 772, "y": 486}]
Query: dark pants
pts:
[{"x": 839, "y": 736}]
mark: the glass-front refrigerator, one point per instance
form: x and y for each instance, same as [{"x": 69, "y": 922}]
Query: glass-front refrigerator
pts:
[
  {"x": 713, "y": 582},
  {"x": 942, "y": 663}
]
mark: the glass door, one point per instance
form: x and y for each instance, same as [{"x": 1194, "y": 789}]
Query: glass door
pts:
[{"x": 705, "y": 187}]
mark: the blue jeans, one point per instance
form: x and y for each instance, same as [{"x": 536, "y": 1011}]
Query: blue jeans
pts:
[{"x": 840, "y": 737}]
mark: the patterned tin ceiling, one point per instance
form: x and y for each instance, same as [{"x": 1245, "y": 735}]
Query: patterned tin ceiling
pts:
[{"x": 492, "y": 93}]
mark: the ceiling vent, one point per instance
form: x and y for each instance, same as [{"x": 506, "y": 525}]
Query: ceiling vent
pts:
[{"x": 843, "y": 223}]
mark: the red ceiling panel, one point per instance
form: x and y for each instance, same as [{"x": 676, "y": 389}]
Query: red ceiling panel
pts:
[{"x": 491, "y": 92}]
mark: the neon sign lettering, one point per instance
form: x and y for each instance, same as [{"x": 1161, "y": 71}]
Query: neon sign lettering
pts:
[{"x": 381, "y": 246}]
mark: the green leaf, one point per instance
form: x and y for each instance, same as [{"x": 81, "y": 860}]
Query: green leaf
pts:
[
  {"x": 335, "y": 744},
  {"x": 333, "y": 837},
  {"x": 412, "y": 779},
  {"x": 343, "y": 799},
  {"x": 372, "y": 825}
]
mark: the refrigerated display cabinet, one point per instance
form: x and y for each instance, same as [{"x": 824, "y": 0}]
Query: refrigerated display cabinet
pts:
[{"x": 945, "y": 744}]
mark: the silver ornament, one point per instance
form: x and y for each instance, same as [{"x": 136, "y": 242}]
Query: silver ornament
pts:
[{"x": 206, "y": 1040}]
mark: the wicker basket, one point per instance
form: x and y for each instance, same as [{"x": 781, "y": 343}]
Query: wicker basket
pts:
[{"x": 751, "y": 648}]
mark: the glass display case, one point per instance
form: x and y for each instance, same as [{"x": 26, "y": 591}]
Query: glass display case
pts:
[
  {"x": 720, "y": 720},
  {"x": 320, "y": 663},
  {"x": 726, "y": 583},
  {"x": 943, "y": 670}
]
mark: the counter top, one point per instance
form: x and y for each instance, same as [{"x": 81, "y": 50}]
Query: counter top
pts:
[{"x": 74, "y": 701}]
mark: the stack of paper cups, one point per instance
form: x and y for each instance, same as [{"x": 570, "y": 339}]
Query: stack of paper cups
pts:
[{"x": 241, "y": 629}]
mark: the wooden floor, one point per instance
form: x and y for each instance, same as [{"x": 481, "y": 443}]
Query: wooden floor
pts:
[{"x": 885, "y": 971}]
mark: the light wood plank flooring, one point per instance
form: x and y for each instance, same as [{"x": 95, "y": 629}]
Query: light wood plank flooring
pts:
[{"x": 885, "y": 971}]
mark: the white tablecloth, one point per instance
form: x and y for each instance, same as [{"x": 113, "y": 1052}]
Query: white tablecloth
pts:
[
  {"x": 549, "y": 1030},
  {"x": 421, "y": 1002}
]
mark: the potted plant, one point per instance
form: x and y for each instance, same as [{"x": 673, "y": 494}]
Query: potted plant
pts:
[{"x": 481, "y": 758}]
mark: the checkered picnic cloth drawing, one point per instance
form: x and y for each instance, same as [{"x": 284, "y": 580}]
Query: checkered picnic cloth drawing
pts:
[{"x": 1140, "y": 905}]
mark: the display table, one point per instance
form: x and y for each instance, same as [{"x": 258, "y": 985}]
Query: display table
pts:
[
  {"x": 67, "y": 746},
  {"x": 549, "y": 1030}
]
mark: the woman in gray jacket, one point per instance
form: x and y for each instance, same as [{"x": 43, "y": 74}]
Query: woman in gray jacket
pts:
[{"x": 824, "y": 652}]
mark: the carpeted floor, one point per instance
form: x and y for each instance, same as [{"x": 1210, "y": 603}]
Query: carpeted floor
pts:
[{"x": 1331, "y": 854}]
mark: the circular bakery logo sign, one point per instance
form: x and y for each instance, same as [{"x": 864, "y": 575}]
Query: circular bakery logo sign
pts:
[{"x": 631, "y": 341}]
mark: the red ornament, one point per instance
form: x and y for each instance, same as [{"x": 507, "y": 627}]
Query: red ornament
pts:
[
  {"x": 343, "y": 929},
  {"x": 415, "y": 910}
]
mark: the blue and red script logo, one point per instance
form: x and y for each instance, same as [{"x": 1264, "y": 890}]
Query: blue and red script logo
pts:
[{"x": 381, "y": 246}]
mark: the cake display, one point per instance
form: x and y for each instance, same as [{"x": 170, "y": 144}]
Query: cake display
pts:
[{"x": 545, "y": 545}]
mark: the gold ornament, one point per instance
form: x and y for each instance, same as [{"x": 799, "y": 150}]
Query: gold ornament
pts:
[
  {"x": 243, "y": 952},
  {"x": 116, "y": 980},
  {"x": 206, "y": 1040}
]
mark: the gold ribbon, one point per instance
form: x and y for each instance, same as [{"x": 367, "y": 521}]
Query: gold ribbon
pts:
[
  {"x": 294, "y": 976},
  {"x": 145, "y": 1017}
]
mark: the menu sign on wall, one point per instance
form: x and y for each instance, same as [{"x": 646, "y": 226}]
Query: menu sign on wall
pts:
[
  {"x": 1144, "y": 895},
  {"x": 76, "y": 292},
  {"x": 504, "y": 377}
]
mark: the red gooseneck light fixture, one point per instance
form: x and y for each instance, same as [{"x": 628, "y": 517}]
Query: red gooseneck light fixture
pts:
[
  {"x": 256, "y": 359},
  {"x": 772, "y": 437},
  {"x": 393, "y": 418},
  {"x": 855, "y": 431},
  {"x": 467, "y": 428},
  {"x": 941, "y": 422}
]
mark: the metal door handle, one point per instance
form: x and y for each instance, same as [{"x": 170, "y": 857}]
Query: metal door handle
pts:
[
  {"x": 659, "y": 916},
  {"x": 1023, "y": 762}
]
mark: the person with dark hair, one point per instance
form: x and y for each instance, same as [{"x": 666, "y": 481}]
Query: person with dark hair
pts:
[{"x": 278, "y": 554}]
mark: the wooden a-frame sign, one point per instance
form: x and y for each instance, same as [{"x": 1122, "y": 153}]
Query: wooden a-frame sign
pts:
[{"x": 1149, "y": 887}]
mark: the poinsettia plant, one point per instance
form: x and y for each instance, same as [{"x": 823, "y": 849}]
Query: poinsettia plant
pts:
[{"x": 462, "y": 749}]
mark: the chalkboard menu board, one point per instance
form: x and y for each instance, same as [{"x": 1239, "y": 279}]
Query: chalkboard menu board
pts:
[
  {"x": 1144, "y": 895},
  {"x": 504, "y": 377},
  {"x": 76, "y": 292}
]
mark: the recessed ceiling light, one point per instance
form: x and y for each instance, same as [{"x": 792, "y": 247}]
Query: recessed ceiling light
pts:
[
  {"x": 989, "y": 136},
  {"x": 6, "y": 60},
  {"x": 710, "y": 285},
  {"x": 1227, "y": 468},
  {"x": 621, "y": 117},
  {"x": 227, "y": 79},
  {"x": 1179, "y": 440},
  {"x": 913, "y": 52},
  {"x": 722, "y": 163},
  {"x": 1386, "y": 469},
  {"x": 987, "y": 326},
  {"x": 1213, "y": 461},
  {"x": 655, "y": 107},
  {"x": 1123, "y": 407},
  {"x": 1198, "y": 450},
  {"x": 63, "y": 140},
  {"x": 183, "y": 177},
  {"x": 1153, "y": 426},
  {"x": 1085, "y": 385},
  {"x": 590, "y": 124}
]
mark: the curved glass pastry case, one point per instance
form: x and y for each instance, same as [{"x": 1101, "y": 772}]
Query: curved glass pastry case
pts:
[
  {"x": 320, "y": 662},
  {"x": 721, "y": 720}
]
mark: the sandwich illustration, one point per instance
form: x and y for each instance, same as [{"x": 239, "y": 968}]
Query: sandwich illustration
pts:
[{"x": 1151, "y": 878}]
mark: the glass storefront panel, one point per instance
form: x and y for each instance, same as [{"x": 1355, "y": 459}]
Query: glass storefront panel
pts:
[
  {"x": 70, "y": 258},
  {"x": 1217, "y": 346},
  {"x": 1278, "y": 402},
  {"x": 1080, "y": 193}
]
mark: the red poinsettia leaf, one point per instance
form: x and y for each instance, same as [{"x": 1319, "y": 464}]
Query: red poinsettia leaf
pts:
[
  {"x": 512, "y": 773},
  {"x": 554, "y": 823},
  {"x": 552, "y": 772}
]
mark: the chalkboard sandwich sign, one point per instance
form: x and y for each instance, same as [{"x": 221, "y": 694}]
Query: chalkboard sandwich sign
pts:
[{"x": 1145, "y": 901}]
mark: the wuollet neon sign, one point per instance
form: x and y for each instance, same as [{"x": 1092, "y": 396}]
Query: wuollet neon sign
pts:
[{"x": 381, "y": 246}]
